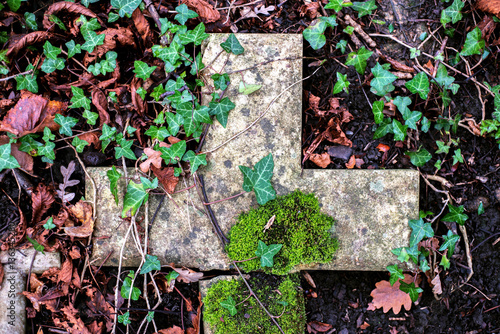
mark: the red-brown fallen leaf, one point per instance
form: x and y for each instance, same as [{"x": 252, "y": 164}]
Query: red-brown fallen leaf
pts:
[
  {"x": 311, "y": 9},
  {"x": 365, "y": 325},
  {"x": 204, "y": 9},
  {"x": 41, "y": 199},
  {"x": 309, "y": 279},
  {"x": 172, "y": 330},
  {"x": 334, "y": 103},
  {"x": 18, "y": 235},
  {"x": 31, "y": 114},
  {"x": 386, "y": 296},
  {"x": 173, "y": 140},
  {"x": 74, "y": 253},
  {"x": 82, "y": 211},
  {"x": 113, "y": 37},
  {"x": 142, "y": 25},
  {"x": 69, "y": 7},
  {"x": 19, "y": 42},
  {"x": 335, "y": 134},
  {"x": 489, "y": 6},
  {"x": 322, "y": 160},
  {"x": 77, "y": 325},
  {"x": 166, "y": 177},
  {"x": 436, "y": 285},
  {"x": 351, "y": 163},
  {"x": 431, "y": 244},
  {"x": 319, "y": 326},
  {"x": 99, "y": 305},
  {"x": 24, "y": 159},
  {"x": 66, "y": 272},
  {"x": 101, "y": 103},
  {"x": 187, "y": 275},
  {"x": 487, "y": 26},
  {"x": 96, "y": 327},
  {"x": 154, "y": 158},
  {"x": 359, "y": 162},
  {"x": 137, "y": 101},
  {"x": 1, "y": 273},
  {"x": 92, "y": 138},
  {"x": 383, "y": 148}
]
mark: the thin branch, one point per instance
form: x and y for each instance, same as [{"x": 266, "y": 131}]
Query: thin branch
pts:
[{"x": 16, "y": 75}]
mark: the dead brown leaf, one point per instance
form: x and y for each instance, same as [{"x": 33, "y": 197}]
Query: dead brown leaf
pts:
[
  {"x": 24, "y": 159},
  {"x": 100, "y": 101},
  {"x": 187, "y": 275},
  {"x": 137, "y": 100},
  {"x": 74, "y": 253},
  {"x": 365, "y": 325},
  {"x": 82, "y": 211},
  {"x": 334, "y": 133},
  {"x": 31, "y": 114},
  {"x": 309, "y": 279},
  {"x": 204, "y": 9},
  {"x": 431, "y": 244},
  {"x": 66, "y": 272},
  {"x": 487, "y": 26},
  {"x": 436, "y": 285},
  {"x": 390, "y": 297},
  {"x": 310, "y": 9},
  {"x": 113, "y": 37},
  {"x": 41, "y": 199},
  {"x": 72, "y": 324},
  {"x": 66, "y": 6},
  {"x": 166, "y": 177},
  {"x": 19, "y": 42},
  {"x": 92, "y": 138},
  {"x": 322, "y": 160},
  {"x": 154, "y": 158},
  {"x": 319, "y": 326},
  {"x": 383, "y": 148},
  {"x": 489, "y": 6},
  {"x": 142, "y": 25},
  {"x": 171, "y": 330},
  {"x": 351, "y": 163},
  {"x": 99, "y": 305}
]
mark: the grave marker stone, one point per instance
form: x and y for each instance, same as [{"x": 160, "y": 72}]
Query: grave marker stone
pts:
[{"x": 371, "y": 207}]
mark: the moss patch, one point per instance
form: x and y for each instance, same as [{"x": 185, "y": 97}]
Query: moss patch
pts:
[
  {"x": 251, "y": 318},
  {"x": 299, "y": 226}
]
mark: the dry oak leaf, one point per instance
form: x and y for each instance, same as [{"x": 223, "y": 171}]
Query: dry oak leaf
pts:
[
  {"x": 204, "y": 9},
  {"x": 489, "y": 6},
  {"x": 31, "y": 114},
  {"x": 154, "y": 158},
  {"x": 172, "y": 330},
  {"x": 82, "y": 211},
  {"x": 386, "y": 296},
  {"x": 166, "y": 177},
  {"x": 322, "y": 160},
  {"x": 41, "y": 199},
  {"x": 69, "y": 7},
  {"x": 24, "y": 159}
]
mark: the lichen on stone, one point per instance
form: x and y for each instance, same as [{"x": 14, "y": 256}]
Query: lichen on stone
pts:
[
  {"x": 281, "y": 295},
  {"x": 299, "y": 225}
]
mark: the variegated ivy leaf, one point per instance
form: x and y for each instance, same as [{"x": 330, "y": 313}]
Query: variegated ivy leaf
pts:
[
  {"x": 474, "y": 43},
  {"x": 125, "y": 7},
  {"x": 184, "y": 14},
  {"x": 30, "y": 20},
  {"x": 73, "y": 48},
  {"x": 28, "y": 81},
  {"x": 267, "y": 253},
  {"x": 419, "y": 84},
  {"x": 79, "y": 100},
  {"x": 221, "y": 110},
  {"x": 7, "y": 161},
  {"x": 66, "y": 123},
  {"x": 195, "y": 160},
  {"x": 79, "y": 144},
  {"x": 259, "y": 179},
  {"x": 50, "y": 51},
  {"x": 358, "y": 59},
  {"x": 378, "y": 108},
  {"x": 314, "y": 34},
  {"x": 382, "y": 81},
  {"x": 342, "y": 84},
  {"x": 232, "y": 45},
  {"x": 50, "y": 65},
  {"x": 92, "y": 39},
  {"x": 114, "y": 176},
  {"x": 142, "y": 70},
  {"x": 196, "y": 36},
  {"x": 135, "y": 196}
]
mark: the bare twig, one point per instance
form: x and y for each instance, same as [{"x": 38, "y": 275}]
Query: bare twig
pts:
[{"x": 16, "y": 75}]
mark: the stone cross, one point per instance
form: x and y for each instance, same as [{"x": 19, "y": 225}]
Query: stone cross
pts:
[
  {"x": 16, "y": 265},
  {"x": 371, "y": 207}
]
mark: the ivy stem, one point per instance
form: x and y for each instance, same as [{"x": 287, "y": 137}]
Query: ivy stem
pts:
[{"x": 225, "y": 199}]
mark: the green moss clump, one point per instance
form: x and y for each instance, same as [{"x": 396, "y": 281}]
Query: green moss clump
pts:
[
  {"x": 251, "y": 318},
  {"x": 299, "y": 226}
]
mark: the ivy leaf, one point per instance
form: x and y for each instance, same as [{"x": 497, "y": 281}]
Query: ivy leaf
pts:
[
  {"x": 383, "y": 129},
  {"x": 36, "y": 245},
  {"x": 337, "y": 5},
  {"x": 230, "y": 305},
  {"x": 331, "y": 21},
  {"x": 79, "y": 144},
  {"x": 358, "y": 59},
  {"x": 420, "y": 157},
  {"x": 412, "y": 118},
  {"x": 129, "y": 290},
  {"x": 196, "y": 36},
  {"x": 56, "y": 20},
  {"x": 342, "y": 84},
  {"x": 201, "y": 114},
  {"x": 184, "y": 14},
  {"x": 50, "y": 51},
  {"x": 174, "y": 122},
  {"x": 79, "y": 100},
  {"x": 50, "y": 65},
  {"x": 190, "y": 124},
  {"x": 157, "y": 92},
  {"x": 49, "y": 225},
  {"x": 14, "y": 5},
  {"x": 450, "y": 240},
  {"x": 419, "y": 84},
  {"x": 125, "y": 6},
  {"x": 452, "y": 14},
  {"x": 92, "y": 39},
  {"x": 410, "y": 289},
  {"x": 7, "y": 161},
  {"x": 114, "y": 176},
  {"x": 142, "y": 70},
  {"x": 47, "y": 150},
  {"x": 426, "y": 125},
  {"x": 267, "y": 253},
  {"x": 30, "y": 20},
  {"x": 377, "y": 109},
  {"x": 442, "y": 147},
  {"x": 445, "y": 263},
  {"x": 341, "y": 45},
  {"x": 364, "y": 8},
  {"x": 73, "y": 48},
  {"x": 124, "y": 149},
  {"x": 399, "y": 130},
  {"x": 151, "y": 263},
  {"x": 174, "y": 152},
  {"x": 314, "y": 34},
  {"x": 457, "y": 157},
  {"x": 402, "y": 103},
  {"x": 66, "y": 124},
  {"x": 171, "y": 276},
  {"x": 221, "y": 110},
  {"x": 247, "y": 89},
  {"x": 135, "y": 196},
  {"x": 259, "y": 180},
  {"x": 195, "y": 160},
  {"x": 420, "y": 230},
  {"x": 124, "y": 318},
  {"x": 157, "y": 133},
  {"x": 221, "y": 81},
  {"x": 480, "y": 209},
  {"x": 27, "y": 81},
  {"x": 382, "y": 82},
  {"x": 401, "y": 254},
  {"x": 473, "y": 43},
  {"x": 455, "y": 215},
  {"x": 232, "y": 45},
  {"x": 396, "y": 273},
  {"x": 142, "y": 92}
]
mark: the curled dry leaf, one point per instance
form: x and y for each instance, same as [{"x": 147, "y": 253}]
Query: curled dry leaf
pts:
[
  {"x": 310, "y": 9},
  {"x": 92, "y": 138},
  {"x": 383, "y": 148},
  {"x": 335, "y": 134},
  {"x": 98, "y": 305},
  {"x": 489, "y": 6},
  {"x": 113, "y": 37},
  {"x": 397, "y": 65},
  {"x": 166, "y": 177},
  {"x": 66, "y": 271},
  {"x": 31, "y": 114},
  {"x": 309, "y": 279},
  {"x": 204, "y": 9},
  {"x": 82, "y": 211},
  {"x": 41, "y": 199},
  {"x": 142, "y": 25},
  {"x": 137, "y": 101},
  {"x": 320, "y": 327},
  {"x": 64, "y": 6},
  {"x": 386, "y": 296},
  {"x": 100, "y": 101},
  {"x": 74, "y": 253},
  {"x": 436, "y": 285},
  {"x": 322, "y": 160},
  {"x": 19, "y": 42}
]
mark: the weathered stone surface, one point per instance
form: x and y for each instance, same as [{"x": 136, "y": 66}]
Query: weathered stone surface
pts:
[
  {"x": 16, "y": 265},
  {"x": 372, "y": 207}
]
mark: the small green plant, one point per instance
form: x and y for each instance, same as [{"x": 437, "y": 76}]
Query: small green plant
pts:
[
  {"x": 299, "y": 226},
  {"x": 229, "y": 307}
]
